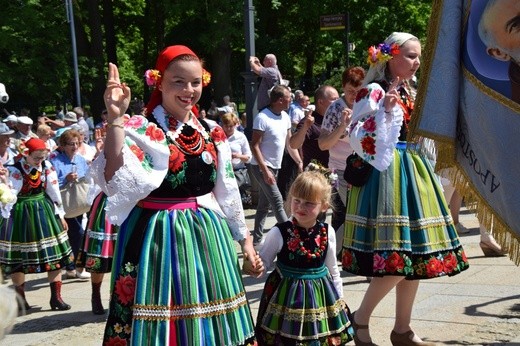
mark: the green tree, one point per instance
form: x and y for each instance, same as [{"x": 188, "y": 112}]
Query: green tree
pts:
[{"x": 36, "y": 58}]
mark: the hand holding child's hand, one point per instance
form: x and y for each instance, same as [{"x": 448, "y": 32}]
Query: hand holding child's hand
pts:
[{"x": 254, "y": 266}]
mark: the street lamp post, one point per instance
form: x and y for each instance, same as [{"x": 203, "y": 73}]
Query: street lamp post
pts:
[
  {"x": 250, "y": 78},
  {"x": 70, "y": 19}
]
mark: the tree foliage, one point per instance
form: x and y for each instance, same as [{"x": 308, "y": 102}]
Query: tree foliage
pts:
[{"x": 36, "y": 60}]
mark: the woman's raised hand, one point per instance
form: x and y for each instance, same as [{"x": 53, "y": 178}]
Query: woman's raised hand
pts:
[
  {"x": 392, "y": 95},
  {"x": 117, "y": 95}
]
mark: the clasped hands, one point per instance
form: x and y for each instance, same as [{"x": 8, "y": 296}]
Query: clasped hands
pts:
[{"x": 253, "y": 264}]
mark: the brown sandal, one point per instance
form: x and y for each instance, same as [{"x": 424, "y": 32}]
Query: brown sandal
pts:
[{"x": 356, "y": 328}]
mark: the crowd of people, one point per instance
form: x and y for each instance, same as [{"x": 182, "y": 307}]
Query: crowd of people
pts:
[
  {"x": 166, "y": 203},
  {"x": 41, "y": 162}
]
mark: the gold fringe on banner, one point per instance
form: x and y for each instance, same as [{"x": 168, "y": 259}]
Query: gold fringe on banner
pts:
[
  {"x": 446, "y": 147},
  {"x": 503, "y": 234}
]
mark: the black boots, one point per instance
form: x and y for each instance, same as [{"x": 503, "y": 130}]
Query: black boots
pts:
[
  {"x": 22, "y": 302},
  {"x": 97, "y": 306},
  {"x": 56, "y": 302}
]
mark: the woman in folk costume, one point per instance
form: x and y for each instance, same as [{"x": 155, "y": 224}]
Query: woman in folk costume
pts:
[
  {"x": 398, "y": 227},
  {"x": 33, "y": 231},
  {"x": 170, "y": 185},
  {"x": 97, "y": 251}
]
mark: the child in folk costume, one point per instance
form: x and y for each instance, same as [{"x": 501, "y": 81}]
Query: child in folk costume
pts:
[
  {"x": 33, "y": 231},
  {"x": 302, "y": 300}
]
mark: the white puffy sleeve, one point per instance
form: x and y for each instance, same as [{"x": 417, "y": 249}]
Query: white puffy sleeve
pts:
[
  {"x": 145, "y": 157},
  {"x": 374, "y": 133},
  {"x": 332, "y": 263},
  {"x": 271, "y": 246},
  {"x": 52, "y": 188},
  {"x": 226, "y": 188}
]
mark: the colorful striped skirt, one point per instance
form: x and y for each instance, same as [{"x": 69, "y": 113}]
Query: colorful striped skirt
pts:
[
  {"x": 399, "y": 224},
  {"x": 32, "y": 240},
  {"x": 98, "y": 244},
  {"x": 176, "y": 279},
  {"x": 301, "y": 307}
]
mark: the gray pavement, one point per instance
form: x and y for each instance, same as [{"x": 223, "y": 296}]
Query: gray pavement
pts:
[{"x": 481, "y": 306}]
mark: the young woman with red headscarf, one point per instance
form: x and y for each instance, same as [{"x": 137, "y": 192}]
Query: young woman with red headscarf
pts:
[
  {"x": 33, "y": 231},
  {"x": 170, "y": 185}
]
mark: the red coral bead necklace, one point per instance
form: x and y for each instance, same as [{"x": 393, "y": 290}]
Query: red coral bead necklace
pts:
[
  {"x": 302, "y": 250},
  {"x": 193, "y": 144}
]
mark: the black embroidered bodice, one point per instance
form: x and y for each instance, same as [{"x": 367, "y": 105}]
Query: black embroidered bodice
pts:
[
  {"x": 188, "y": 175},
  {"x": 299, "y": 255}
]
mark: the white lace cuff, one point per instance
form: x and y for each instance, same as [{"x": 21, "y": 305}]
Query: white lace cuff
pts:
[{"x": 129, "y": 184}]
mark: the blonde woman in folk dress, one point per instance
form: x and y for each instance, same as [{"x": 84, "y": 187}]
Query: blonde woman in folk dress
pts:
[
  {"x": 398, "y": 227},
  {"x": 170, "y": 185}
]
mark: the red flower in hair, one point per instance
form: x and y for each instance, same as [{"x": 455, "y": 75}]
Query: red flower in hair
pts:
[{"x": 206, "y": 77}]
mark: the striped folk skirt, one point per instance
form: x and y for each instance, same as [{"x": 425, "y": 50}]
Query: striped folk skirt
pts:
[
  {"x": 97, "y": 250},
  {"x": 301, "y": 307},
  {"x": 399, "y": 224},
  {"x": 176, "y": 280},
  {"x": 32, "y": 240}
]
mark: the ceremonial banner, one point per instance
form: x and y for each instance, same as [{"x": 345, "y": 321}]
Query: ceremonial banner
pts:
[{"x": 469, "y": 102}]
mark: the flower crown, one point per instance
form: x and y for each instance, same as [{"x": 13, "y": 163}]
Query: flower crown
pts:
[
  {"x": 154, "y": 76},
  {"x": 329, "y": 174},
  {"x": 382, "y": 53}
]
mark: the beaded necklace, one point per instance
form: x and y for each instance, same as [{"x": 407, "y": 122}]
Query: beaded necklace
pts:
[
  {"x": 296, "y": 232},
  {"x": 193, "y": 144},
  {"x": 34, "y": 178},
  {"x": 406, "y": 103}
]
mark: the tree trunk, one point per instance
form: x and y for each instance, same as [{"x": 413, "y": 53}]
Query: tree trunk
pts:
[{"x": 221, "y": 71}]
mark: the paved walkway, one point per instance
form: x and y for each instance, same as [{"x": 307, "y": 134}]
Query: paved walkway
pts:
[{"x": 478, "y": 307}]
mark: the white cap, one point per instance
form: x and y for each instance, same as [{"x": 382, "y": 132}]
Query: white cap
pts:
[
  {"x": 25, "y": 120},
  {"x": 11, "y": 117}
]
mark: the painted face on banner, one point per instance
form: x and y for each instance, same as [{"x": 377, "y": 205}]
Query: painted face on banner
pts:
[{"x": 502, "y": 19}]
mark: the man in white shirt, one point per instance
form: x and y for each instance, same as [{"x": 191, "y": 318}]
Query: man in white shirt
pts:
[{"x": 271, "y": 135}]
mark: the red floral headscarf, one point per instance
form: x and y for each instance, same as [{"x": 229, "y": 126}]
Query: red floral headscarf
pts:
[{"x": 163, "y": 60}]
